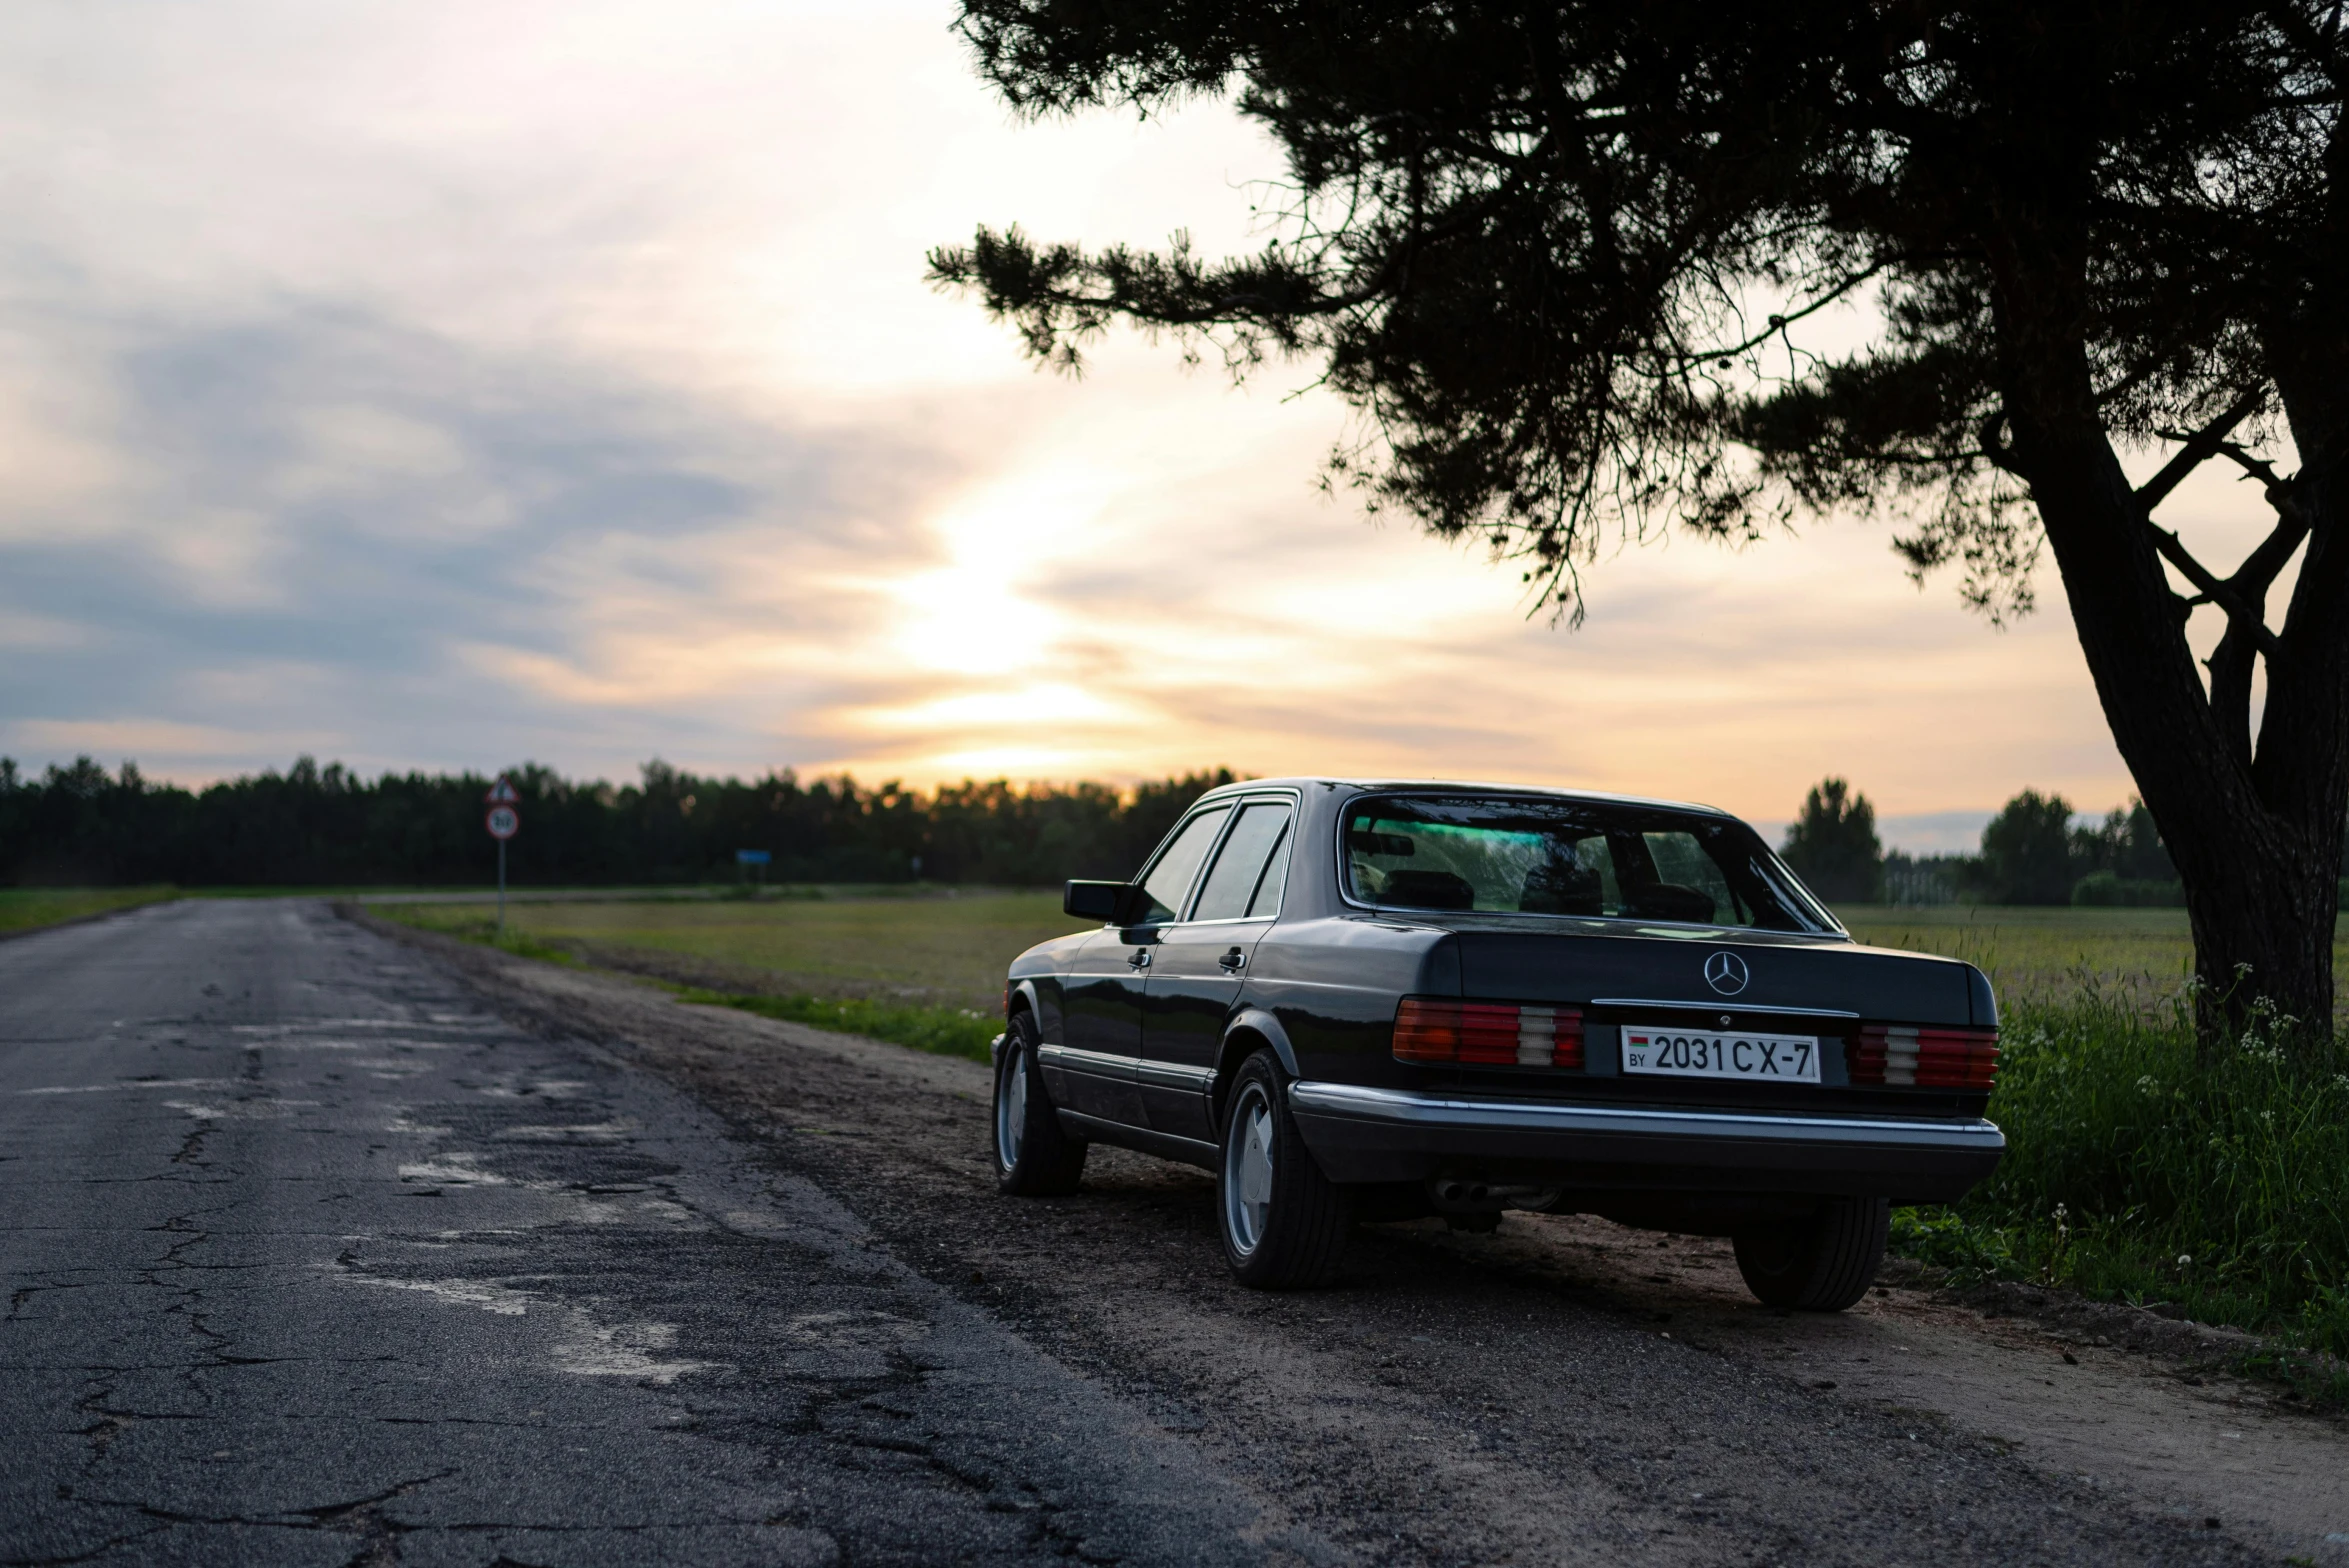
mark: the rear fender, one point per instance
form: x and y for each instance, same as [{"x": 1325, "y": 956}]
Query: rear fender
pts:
[{"x": 1250, "y": 1031}]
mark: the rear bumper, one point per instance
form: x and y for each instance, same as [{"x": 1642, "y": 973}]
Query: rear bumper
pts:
[{"x": 1361, "y": 1134}]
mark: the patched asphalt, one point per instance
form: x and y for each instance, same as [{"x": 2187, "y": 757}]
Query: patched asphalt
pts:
[{"x": 310, "y": 1257}]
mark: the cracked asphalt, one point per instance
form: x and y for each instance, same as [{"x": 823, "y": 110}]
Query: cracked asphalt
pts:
[{"x": 310, "y": 1257}]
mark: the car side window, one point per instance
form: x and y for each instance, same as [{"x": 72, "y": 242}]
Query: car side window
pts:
[
  {"x": 1267, "y": 901},
  {"x": 1169, "y": 878},
  {"x": 1233, "y": 887}
]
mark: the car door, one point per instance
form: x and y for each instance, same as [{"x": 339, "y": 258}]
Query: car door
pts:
[
  {"x": 1102, "y": 1026},
  {"x": 1201, "y": 962}
]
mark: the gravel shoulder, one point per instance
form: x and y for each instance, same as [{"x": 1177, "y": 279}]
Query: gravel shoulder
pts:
[{"x": 1561, "y": 1391}]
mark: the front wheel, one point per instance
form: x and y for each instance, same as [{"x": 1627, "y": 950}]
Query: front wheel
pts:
[
  {"x": 1822, "y": 1264},
  {"x": 1284, "y": 1223},
  {"x": 1034, "y": 1158}
]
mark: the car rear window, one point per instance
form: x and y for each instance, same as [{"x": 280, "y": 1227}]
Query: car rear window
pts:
[{"x": 1517, "y": 855}]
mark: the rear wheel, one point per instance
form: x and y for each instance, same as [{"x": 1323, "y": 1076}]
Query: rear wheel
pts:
[
  {"x": 1284, "y": 1223},
  {"x": 1822, "y": 1264},
  {"x": 1034, "y": 1158}
]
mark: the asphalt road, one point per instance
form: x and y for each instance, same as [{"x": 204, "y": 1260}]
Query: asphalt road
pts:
[
  {"x": 325, "y": 1246},
  {"x": 312, "y": 1259}
]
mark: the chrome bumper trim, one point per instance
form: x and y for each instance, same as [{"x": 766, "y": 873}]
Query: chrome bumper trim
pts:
[{"x": 1400, "y": 1107}]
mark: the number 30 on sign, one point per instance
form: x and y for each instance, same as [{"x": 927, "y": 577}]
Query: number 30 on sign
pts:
[{"x": 504, "y": 822}]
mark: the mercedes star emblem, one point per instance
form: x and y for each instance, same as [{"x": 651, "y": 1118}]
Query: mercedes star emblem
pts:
[{"x": 1726, "y": 973}]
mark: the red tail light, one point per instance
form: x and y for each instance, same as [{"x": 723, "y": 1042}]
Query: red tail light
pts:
[
  {"x": 1489, "y": 1034},
  {"x": 1928, "y": 1057}
]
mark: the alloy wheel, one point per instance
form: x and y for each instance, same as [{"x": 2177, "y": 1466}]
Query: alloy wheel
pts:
[
  {"x": 1011, "y": 1105},
  {"x": 1248, "y": 1170}
]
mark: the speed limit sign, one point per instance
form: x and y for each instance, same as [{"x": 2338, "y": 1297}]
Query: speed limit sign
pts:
[{"x": 504, "y": 822}]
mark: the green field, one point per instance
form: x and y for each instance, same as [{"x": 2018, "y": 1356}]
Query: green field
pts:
[
  {"x": 2042, "y": 955},
  {"x": 934, "y": 949},
  {"x": 950, "y": 950},
  {"x": 27, "y": 908}
]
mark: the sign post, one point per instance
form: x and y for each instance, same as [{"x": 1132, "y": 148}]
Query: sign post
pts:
[
  {"x": 753, "y": 857},
  {"x": 503, "y": 823}
]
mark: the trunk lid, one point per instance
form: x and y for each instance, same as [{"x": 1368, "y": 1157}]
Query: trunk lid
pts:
[
  {"x": 1796, "y": 975},
  {"x": 1820, "y": 987}
]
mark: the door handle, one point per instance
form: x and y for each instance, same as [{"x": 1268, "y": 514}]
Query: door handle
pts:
[
  {"x": 1139, "y": 958},
  {"x": 1235, "y": 960}
]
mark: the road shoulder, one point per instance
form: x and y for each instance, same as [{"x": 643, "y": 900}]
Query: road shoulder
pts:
[{"x": 2119, "y": 1434}]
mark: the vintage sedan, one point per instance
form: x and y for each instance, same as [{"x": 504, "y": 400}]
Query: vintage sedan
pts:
[{"x": 1355, "y": 1000}]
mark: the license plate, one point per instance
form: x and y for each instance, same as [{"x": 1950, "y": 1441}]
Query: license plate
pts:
[{"x": 1689, "y": 1053}]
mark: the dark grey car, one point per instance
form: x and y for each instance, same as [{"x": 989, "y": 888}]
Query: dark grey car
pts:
[{"x": 1359, "y": 1000}]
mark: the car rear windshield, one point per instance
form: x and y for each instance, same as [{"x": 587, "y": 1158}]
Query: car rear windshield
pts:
[{"x": 1567, "y": 857}]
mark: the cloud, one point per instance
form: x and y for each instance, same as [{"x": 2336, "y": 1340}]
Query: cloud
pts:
[
  {"x": 431, "y": 555},
  {"x": 428, "y": 386}
]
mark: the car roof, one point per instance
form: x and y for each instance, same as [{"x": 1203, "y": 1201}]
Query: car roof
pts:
[{"x": 1383, "y": 786}]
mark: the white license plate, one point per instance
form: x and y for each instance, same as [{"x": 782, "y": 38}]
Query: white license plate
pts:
[{"x": 1690, "y": 1053}]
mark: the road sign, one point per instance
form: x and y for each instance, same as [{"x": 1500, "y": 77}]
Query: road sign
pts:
[
  {"x": 502, "y": 793},
  {"x": 503, "y": 822},
  {"x": 753, "y": 857}
]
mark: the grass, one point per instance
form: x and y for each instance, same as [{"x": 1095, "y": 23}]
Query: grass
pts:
[
  {"x": 2142, "y": 1169},
  {"x": 2042, "y": 955},
  {"x": 30, "y": 908},
  {"x": 2138, "y": 1169},
  {"x": 842, "y": 945},
  {"x": 949, "y": 1031},
  {"x": 923, "y": 971}
]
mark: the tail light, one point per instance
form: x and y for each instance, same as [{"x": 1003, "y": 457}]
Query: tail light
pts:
[
  {"x": 1927, "y": 1057},
  {"x": 1488, "y": 1034}
]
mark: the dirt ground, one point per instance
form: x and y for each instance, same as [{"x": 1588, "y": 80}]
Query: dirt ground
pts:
[{"x": 1561, "y": 1391}]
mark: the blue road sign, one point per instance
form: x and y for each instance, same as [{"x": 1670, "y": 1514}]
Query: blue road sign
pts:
[{"x": 752, "y": 857}]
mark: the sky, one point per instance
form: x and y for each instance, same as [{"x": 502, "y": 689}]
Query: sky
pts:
[{"x": 436, "y": 386}]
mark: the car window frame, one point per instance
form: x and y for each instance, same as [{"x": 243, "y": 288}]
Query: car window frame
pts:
[
  {"x": 1288, "y": 846},
  {"x": 1814, "y": 907},
  {"x": 1199, "y": 808}
]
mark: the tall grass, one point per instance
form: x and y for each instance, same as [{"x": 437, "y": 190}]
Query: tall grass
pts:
[{"x": 2144, "y": 1169}]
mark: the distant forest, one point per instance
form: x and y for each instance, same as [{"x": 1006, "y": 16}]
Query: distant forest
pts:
[{"x": 315, "y": 826}]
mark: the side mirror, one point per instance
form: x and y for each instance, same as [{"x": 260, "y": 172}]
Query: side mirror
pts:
[{"x": 1095, "y": 900}]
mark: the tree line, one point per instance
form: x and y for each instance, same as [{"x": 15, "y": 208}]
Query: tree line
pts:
[
  {"x": 313, "y": 826},
  {"x": 2032, "y": 853}
]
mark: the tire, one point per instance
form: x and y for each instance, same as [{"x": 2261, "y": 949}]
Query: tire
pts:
[
  {"x": 1034, "y": 1157},
  {"x": 1821, "y": 1265},
  {"x": 1284, "y": 1223}
]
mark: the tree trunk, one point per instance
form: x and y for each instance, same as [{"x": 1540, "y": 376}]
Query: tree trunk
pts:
[
  {"x": 2256, "y": 832},
  {"x": 2264, "y": 931},
  {"x": 2259, "y": 846}
]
